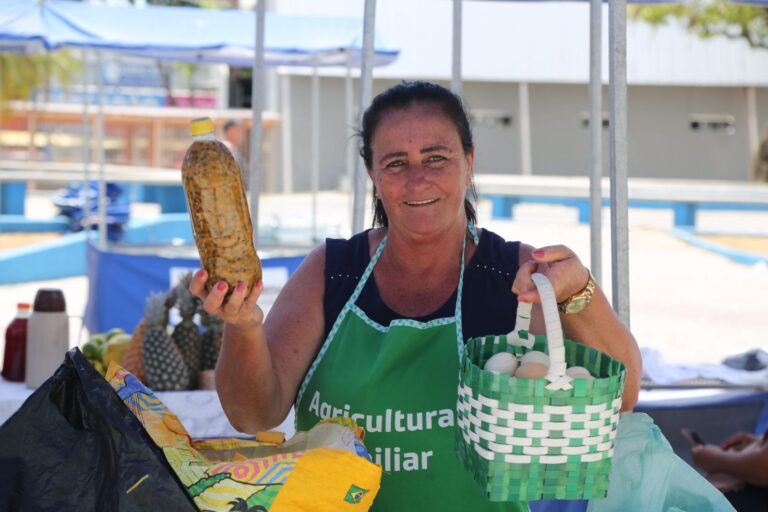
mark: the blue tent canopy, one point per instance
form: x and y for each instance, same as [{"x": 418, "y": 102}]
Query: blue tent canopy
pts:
[
  {"x": 26, "y": 27},
  {"x": 184, "y": 33}
]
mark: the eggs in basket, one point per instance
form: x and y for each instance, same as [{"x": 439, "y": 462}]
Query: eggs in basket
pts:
[{"x": 531, "y": 365}]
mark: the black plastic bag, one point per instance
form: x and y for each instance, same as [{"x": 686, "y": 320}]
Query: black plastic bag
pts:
[{"x": 74, "y": 445}]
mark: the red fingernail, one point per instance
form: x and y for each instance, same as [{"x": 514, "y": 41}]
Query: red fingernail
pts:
[
  {"x": 538, "y": 253},
  {"x": 200, "y": 273},
  {"x": 222, "y": 285},
  {"x": 240, "y": 288}
]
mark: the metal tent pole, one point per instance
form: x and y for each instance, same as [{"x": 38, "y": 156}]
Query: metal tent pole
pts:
[
  {"x": 366, "y": 86},
  {"x": 102, "y": 197},
  {"x": 285, "y": 132},
  {"x": 595, "y": 138},
  {"x": 315, "y": 169},
  {"x": 617, "y": 20},
  {"x": 456, "y": 85},
  {"x": 257, "y": 106},
  {"x": 753, "y": 130},
  {"x": 86, "y": 134},
  {"x": 349, "y": 116},
  {"x": 524, "y": 111}
]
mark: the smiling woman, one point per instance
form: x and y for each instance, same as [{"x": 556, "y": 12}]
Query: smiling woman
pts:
[
  {"x": 373, "y": 327},
  {"x": 420, "y": 172},
  {"x": 446, "y": 108}
]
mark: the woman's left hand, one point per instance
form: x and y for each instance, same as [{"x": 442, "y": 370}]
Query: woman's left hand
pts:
[{"x": 561, "y": 266}]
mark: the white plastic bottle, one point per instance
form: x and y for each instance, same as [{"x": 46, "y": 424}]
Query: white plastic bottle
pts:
[{"x": 47, "y": 336}]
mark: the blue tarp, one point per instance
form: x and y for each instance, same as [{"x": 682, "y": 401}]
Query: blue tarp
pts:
[
  {"x": 184, "y": 33},
  {"x": 119, "y": 283}
]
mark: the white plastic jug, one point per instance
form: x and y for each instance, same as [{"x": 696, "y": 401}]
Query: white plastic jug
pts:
[{"x": 47, "y": 336}]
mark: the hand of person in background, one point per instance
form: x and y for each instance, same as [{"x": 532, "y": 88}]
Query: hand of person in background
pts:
[
  {"x": 561, "y": 266},
  {"x": 741, "y": 459},
  {"x": 239, "y": 310},
  {"x": 710, "y": 455},
  {"x": 707, "y": 456},
  {"x": 739, "y": 441}
]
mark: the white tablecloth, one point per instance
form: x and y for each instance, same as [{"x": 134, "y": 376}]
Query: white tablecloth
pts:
[{"x": 199, "y": 411}]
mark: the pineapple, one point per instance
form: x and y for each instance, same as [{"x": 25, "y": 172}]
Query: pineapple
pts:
[
  {"x": 163, "y": 363},
  {"x": 186, "y": 334},
  {"x": 211, "y": 339},
  {"x": 133, "y": 361}
]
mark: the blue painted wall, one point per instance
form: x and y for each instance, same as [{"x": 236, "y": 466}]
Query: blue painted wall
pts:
[{"x": 66, "y": 256}]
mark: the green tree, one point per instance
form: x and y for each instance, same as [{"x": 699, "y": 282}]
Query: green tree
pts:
[
  {"x": 22, "y": 74},
  {"x": 711, "y": 18}
]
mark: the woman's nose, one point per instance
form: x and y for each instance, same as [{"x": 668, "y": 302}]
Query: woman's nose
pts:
[{"x": 417, "y": 174}]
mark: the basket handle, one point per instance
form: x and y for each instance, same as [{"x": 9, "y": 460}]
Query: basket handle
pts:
[{"x": 557, "y": 377}]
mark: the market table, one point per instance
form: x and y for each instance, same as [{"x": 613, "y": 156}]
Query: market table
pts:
[{"x": 199, "y": 411}]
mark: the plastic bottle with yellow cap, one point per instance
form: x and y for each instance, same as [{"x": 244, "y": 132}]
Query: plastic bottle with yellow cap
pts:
[{"x": 218, "y": 208}]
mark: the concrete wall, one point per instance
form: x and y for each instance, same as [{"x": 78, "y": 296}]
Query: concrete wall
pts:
[
  {"x": 661, "y": 141},
  {"x": 662, "y": 144},
  {"x": 333, "y": 132}
]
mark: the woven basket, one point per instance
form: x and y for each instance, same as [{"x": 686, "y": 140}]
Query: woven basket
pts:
[{"x": 549, "y": 438}]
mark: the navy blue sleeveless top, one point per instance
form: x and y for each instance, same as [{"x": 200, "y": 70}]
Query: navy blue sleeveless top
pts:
[{"x": 488, "y": 304}]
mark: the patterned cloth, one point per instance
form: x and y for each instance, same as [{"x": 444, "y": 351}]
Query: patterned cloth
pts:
[{"x": 326, "y": 469}]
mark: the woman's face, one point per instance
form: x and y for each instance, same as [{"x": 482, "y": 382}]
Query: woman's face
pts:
[{"x": 420, "y": 170}]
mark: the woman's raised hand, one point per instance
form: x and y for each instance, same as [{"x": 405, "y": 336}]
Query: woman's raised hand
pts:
[
  {"x": 237, "y": 310},
  {"x": 561, "y": 266}
]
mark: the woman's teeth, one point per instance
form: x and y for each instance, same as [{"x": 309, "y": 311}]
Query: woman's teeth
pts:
[{"x": 420, "y": 203}]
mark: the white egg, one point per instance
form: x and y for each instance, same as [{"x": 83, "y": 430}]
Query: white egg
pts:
[
  {"x": 534, "y": 356},
  {"x": 578, "y": 372},
  {"x": 503, "y": 362},
  {"x": 532, "y": 371}
]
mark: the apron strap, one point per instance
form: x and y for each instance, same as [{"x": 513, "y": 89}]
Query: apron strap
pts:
[
  {"x": 367, "y": 273},
  {"x": 457, "y": 313},
  {"x": 343, "y": 313}
]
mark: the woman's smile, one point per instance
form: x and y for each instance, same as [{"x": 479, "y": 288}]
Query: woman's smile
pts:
[{"x": 423, "y": 202}]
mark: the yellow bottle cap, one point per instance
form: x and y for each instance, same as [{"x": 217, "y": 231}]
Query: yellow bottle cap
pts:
[{"x": 201, "y": 126}]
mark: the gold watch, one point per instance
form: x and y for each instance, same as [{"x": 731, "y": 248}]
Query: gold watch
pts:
[{"x": 579, "y": 300}]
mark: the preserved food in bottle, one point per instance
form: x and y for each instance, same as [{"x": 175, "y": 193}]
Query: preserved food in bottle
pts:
[
  {"x": 218, "y": 208},
  {"x": 15, "y": 354}
]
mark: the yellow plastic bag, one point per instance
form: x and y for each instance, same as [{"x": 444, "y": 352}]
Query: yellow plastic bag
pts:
[{"x": 324, "y": 469}]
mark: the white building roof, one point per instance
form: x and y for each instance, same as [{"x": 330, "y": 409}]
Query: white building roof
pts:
[{"x": 541, "y": 42}]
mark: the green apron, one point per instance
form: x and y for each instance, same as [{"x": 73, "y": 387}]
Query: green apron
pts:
[{"x": 400, "y": 384}]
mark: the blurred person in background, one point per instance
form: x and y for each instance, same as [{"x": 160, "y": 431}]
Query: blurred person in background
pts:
[
  {"x": 234, "y": 136},
  {"x": 738, "y": 467}
]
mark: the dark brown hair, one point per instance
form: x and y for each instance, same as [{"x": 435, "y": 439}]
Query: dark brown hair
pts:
[{"x": 402, "y": 96}]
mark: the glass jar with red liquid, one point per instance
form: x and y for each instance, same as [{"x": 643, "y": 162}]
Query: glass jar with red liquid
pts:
[{"x": 15, "y": 355}]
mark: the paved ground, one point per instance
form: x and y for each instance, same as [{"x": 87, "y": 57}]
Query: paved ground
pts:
[{"x": 691, "y": 304}]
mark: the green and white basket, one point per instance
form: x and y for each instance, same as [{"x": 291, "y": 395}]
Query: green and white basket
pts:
[{"x": 548, "y": 438}]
